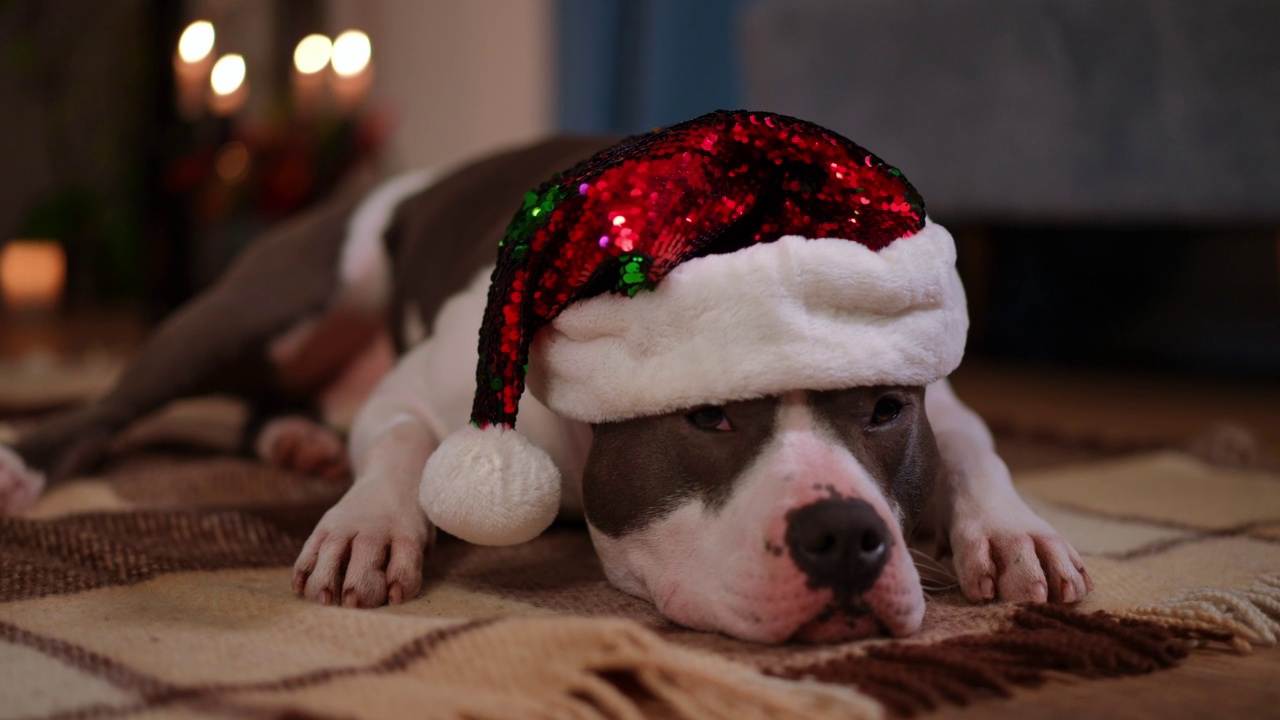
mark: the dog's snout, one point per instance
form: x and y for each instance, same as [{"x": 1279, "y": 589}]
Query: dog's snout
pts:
[{"x": 839, "y": 543}]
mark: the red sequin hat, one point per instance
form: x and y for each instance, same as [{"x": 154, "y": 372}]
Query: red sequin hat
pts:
[{"x": 732, "y": 256}]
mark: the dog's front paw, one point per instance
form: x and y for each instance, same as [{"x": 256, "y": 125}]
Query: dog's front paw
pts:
[
  {"x": 367, "y": 551},
  {"x": 19, "y": 484},
  {"x": 1015, "y": 556}
]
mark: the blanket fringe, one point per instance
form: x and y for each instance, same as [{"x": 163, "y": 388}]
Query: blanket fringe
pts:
[
  {"x": 1245, "y": 616},
  {"x": 607, "y": 669},
  {"x": 910, "y": 678}
]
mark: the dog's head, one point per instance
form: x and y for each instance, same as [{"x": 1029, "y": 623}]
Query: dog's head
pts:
[
  {"x": 735, "y": 256},
  {"x": 772, "y": 519}
]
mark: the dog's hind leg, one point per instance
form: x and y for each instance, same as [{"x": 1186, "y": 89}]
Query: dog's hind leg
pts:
[
  {"x": 218, "y": 342},
  {"x": 301, "y": 443}
]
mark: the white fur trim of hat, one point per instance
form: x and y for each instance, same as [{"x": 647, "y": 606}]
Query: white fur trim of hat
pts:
[{"x": 795, "y": 313}]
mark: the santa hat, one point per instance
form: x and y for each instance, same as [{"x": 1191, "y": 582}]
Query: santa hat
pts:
[{"x": 732, "y": 256}]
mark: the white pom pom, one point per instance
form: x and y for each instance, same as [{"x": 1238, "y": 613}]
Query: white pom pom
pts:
[{"x": 490, "y": 487}]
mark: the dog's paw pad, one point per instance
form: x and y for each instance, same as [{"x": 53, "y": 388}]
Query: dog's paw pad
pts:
[
  {"x": 300, "y": 444},
  {"x": 19, "y": 484}
]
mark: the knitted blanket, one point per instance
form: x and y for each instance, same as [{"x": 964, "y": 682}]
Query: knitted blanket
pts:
[{"x": 160, "y": 587}]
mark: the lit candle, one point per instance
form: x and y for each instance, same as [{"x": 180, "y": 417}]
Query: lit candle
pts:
[
  {"x": 192, "y": 61},
  {"x": 310, "y": 58},
  {"x": 230, "y": 88},
  {"x": 32, "y": 275},
  {"x": 352, "y": 69}
]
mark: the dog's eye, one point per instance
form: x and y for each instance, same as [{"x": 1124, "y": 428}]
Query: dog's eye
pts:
[
  {"x": 887, "y": 410},
  {"x": 709, "y": 418}
]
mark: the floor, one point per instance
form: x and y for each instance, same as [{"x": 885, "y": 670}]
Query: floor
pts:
[{"x": 1124, "y": 410}]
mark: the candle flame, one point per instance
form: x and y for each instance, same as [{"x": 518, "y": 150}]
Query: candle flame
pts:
[
  {"x": 351, "y": 53},
  {"x": 196, "y": 41},
  {"x": 228, "y": 74},
  {"x": 312, "y": 54}
]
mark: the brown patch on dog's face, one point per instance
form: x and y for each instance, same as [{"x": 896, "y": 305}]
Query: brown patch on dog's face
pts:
[
  {"x": 887, "y": 430},
  {"x": 641, "y": 469}
]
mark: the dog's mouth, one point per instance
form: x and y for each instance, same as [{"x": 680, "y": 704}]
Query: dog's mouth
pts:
[{"x": 841, "y": 621}]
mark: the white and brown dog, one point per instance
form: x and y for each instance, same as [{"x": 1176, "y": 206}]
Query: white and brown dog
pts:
[{"x": 770, "y": 498}]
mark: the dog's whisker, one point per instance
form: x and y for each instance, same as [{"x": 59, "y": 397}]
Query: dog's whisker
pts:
[{"x": 934, "y": 576}]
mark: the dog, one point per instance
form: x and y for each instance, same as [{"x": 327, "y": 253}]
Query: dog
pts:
[{"x": 782, "y": 517}]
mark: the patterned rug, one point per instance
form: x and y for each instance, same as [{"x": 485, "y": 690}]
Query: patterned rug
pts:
[{"x": 160, "y": 588}]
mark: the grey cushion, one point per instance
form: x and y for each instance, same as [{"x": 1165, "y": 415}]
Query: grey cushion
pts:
[{"x": 1046, "y": 110}]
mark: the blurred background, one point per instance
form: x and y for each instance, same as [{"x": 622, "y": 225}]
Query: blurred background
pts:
[{"x": 1110, "y": 168}]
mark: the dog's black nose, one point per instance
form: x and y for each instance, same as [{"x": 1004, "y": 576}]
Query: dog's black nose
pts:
[{"x": 839, "y": 543}]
